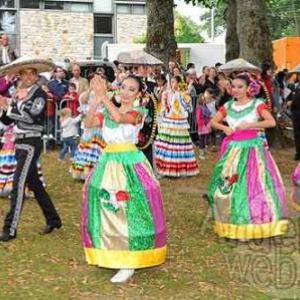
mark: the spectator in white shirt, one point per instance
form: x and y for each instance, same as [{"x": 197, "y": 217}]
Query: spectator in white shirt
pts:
[
  {"x": 69, "y": 127},
  {"x": 7, "y": 52}
]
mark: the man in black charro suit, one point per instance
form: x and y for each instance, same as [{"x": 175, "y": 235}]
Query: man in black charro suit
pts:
[
  {"x": 149, "y": 129},
  {"x": 26, "y": 112}
]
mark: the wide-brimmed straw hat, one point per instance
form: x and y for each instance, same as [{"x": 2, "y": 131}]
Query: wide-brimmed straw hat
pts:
[
  {"x": 22, "y": 63},
  {"x": 295, "y": 70},
  {"x": 239, "y": 65}
]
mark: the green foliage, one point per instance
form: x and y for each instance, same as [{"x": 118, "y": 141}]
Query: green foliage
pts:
[
  {"x": 186, "y": 31},
  {"x": 219, "y": 20},
  {"x": 283, "y": 16},
  {"x": 206, "y": 3},
  {"x": 140, "y": 39}
]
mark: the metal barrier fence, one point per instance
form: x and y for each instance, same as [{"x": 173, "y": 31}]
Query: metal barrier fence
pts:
[{"x": 52, "y": 129}]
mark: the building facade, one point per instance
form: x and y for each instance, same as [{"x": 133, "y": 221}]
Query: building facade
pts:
[{"x": 76, "y": 29}]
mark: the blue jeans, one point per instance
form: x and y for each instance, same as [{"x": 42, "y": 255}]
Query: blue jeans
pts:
[{"x": 69, "y": 142}]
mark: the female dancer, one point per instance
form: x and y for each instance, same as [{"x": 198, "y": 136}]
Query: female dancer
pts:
[
  {"x": 123, "y": 223},
  {"x": 246, "y": 191},
  {"x": 174, "y": 151}
]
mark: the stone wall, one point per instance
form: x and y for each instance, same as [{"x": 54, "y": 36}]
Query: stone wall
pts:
[
  {"x": 56, "y": 35},
  {"x": 130, "y": 26}
]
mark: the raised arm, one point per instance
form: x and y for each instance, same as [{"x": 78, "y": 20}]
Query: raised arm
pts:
[{"x": 99, "y": 87}]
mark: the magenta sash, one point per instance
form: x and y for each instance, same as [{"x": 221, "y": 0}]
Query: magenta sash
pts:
[{"x": 241, "y": 135}]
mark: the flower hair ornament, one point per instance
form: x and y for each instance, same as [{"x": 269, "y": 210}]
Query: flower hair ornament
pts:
[{"x": 253, "y": 85}]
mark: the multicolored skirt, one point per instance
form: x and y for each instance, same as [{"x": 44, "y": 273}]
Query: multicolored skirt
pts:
[
  {"x": 174, "y": 150},
  {"x": 123, "y": 222},
  {"x": 296, "y": 189},
  {"x": 8, "y": 164},
  {"x": 246, "y": 192},
  {"x": 87, "y": 154}
]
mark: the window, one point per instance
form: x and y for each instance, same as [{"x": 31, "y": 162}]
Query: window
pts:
[
  {"x": 57, "y": 5},
  {"x": 8, "y": 16},
  {"x": 98, "y": 42},
  {"x": 103, "y": 24},
  {"x": 81, "y": 7},
  {"x": 7, "y": 4},
  {"x": 138, "y": 10},
  {"x": 133, "y": 9},
  {"x": 72, "y": 6},
  {"x": 35, "y": 4},
  {"x": 103, "y": 6},
  {"x": 123, "y": 9},
  {"x": 7, "y": 20}
]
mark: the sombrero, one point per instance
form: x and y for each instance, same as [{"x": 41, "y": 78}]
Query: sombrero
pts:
[
  {"x": 41, "y": 65},
  {"x": 295, "y": 70},
  {"x": 239, "y": 65}
]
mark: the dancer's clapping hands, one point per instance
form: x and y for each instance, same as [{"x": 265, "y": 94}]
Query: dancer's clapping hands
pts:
[{"x": 99, "y": 86}]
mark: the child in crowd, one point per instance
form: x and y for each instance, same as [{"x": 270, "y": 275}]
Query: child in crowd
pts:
[
  {"x": 72, "y": 98},
  {"x": 69, "y": 132},
  {"x": 211, "y": 104},
  {"x": 203, "y": 116}
]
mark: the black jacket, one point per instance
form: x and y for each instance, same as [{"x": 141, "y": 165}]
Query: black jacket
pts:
[
  {"x": 295, "y": 108},
  {"x": 30, "y": 114}
]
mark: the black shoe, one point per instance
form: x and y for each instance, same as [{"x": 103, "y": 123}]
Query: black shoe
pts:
[
  {"x": 49, "y": 228},
  {"x": 5, "y": 237}
]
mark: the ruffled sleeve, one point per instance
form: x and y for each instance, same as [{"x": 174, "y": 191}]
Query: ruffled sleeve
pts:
[
  {"x": 261, "y": 107},
  {"x": 138, "y": 115},
  {"x": 222, "y": 110}
]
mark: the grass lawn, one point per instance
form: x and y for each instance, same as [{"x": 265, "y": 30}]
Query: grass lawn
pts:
[{"x": 199, "y": 265}]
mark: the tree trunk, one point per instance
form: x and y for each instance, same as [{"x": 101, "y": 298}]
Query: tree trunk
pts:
[
  {"x": 253, "y": 32},
  {"x": 232, "y": 41},
  {"x": 160, "y": 30}
]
